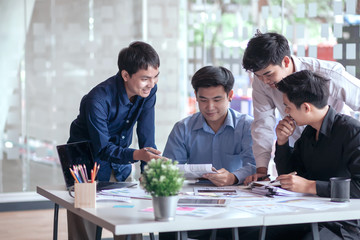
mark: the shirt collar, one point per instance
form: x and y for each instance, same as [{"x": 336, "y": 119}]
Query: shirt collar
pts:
[
  {"x": 122, "y": 90},
  {"x": 328, "y": 122},
  {"x": 201, "y": 123},
  {"x": 326, "y": 125}
]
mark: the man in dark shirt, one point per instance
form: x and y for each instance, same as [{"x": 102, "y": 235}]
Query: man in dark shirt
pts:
[
  {"x": 328, "y": 147},
  {"x": 110, "y": 110},
  {"x": 107, "y": 117}
]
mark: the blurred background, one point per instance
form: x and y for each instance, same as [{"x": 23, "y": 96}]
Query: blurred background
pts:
[{"x": 54, "y": 51}]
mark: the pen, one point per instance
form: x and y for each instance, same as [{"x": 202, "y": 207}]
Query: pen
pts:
[
  {"x": 263, "y": 177},
  {"x": 292, "y": 173}
]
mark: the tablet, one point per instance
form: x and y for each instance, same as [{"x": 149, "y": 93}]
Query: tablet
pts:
[{"x": 206, "y": 202}]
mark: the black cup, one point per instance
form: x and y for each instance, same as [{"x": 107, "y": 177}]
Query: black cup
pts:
[{"x": 340, "y": 189}]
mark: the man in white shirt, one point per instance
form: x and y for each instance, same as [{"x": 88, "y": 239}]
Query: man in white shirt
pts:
[{"x": 268, "y": 57}]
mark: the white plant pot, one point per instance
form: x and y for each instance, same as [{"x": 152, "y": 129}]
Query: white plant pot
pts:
[{"x": 165, "y": 208}]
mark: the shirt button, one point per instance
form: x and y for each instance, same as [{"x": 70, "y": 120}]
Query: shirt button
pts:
[
  {"x": 122, "y": 137},
  {"x": 127, "y": 121}
]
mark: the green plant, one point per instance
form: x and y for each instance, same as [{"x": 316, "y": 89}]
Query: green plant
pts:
[{"x": 162, "y": 178}]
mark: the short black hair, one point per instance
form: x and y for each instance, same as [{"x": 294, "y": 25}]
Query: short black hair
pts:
[
  {"x": 139, "y": 55},
  {"x": 305, "y": 86},
  {"x": 265, "y": 49},
  {"x": 211, "y": 76}
]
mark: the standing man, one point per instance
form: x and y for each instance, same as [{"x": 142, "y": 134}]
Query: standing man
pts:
[
  {"x": 328, "y": 147},
  {"x": 107, "y": 117},
  {"x": 268, "y": 57},
  {"x": 110, "y": 110},
  {"x": 217, "y": 134}
]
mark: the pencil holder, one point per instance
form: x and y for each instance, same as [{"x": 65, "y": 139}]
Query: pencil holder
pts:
[{"x": 85, "y": 195}]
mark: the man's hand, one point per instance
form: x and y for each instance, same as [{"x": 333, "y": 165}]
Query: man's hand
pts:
[
  {"x": 146, "y": 154},
  {"x": 260, "y": 172},
  {"x": 255, "y": 177},
  {"x": 284, "y": 130},
  {"x": 297, "y": 184},
  {"x": 222, "y": 178}
]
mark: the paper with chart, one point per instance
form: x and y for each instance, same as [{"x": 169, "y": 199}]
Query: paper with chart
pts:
[{"x": 195, "y": 171}]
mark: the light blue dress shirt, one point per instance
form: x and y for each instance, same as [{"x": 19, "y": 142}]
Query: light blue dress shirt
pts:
[{"x": 192, "y": 141}]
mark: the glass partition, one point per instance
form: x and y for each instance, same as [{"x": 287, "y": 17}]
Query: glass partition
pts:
[{"x": 55, "y": 51}]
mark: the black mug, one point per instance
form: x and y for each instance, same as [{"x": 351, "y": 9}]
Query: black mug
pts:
[{"x": 340, "y": 189}]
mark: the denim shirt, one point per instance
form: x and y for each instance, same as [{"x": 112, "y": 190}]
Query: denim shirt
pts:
[
  {"x": 193, "y": 141},
  {"x": 107, "y": 118}
]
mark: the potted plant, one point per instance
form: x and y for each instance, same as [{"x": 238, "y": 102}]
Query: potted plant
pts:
[{"x": 163, "y": 180}]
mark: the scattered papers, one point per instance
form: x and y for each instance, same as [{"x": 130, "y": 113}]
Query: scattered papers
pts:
[
  {"x": 126, "y": 192},
  {"x": 262, "y": 207},
  {"x": 283, "y": 205},
  {"x": 230, "y": 191},
  {"x": 193, "y": 211},
  {"x": 194, "y": 171},
  {"x": 265, "y": 183},
  {"x": 103, "y": 198},
  {"x": 272, "y": 191},
  {"x": 315, "y": 204},
  {"x": 203, "y": 202}
]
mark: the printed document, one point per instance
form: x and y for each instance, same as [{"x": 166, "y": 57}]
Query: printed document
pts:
[{"x": 194, "y": 171}]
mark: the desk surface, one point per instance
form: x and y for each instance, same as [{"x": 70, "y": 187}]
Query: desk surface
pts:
[{"x": 124, "y": 221}]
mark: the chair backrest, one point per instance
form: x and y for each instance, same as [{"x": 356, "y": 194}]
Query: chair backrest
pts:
[{"x": 74, "y": 154}]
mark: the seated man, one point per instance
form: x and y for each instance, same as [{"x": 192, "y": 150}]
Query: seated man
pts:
[
  {"x": 328, "y": 147},
  {"x": 217, "y": 134}
]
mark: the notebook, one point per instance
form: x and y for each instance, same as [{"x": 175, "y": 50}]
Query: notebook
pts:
[{"x": 80, "y": 153}]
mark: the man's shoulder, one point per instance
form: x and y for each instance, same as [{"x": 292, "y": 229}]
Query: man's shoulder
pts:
[
  {"x": 318, "y": 65},
  {"x": 109, "y": 86},
  {"x": 238, "y": 116},
  {"x": 344, "y": 121},
  {"x": 188, "y": 123}
]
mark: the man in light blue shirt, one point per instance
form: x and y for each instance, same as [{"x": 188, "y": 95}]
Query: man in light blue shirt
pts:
[{"x": 217, "y": 134}]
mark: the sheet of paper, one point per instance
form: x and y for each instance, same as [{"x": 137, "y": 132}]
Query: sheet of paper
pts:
[
  {"x": 103, "y": 198},
  {"x": 194, "y": 171},
  {"x": 127, "y": 192},
  {"x": 194, "y": 211},
  {"x": 262, "y": 207},
  {"x": 315, "y": 204}
]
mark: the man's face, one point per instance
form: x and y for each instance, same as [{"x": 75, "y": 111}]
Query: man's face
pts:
[
  {"x": 298, "y": 114},
  {"x": 213, "y": 104},
  {"x": 141, "y": 82},
  {"x": 274, "y": 73}
]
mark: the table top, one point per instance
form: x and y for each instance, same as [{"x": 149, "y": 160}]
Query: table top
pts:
[{"x": 124, "y": 220}]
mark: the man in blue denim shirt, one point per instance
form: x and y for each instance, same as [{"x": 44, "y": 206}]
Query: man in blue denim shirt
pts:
[
  {"x": 110, "y": 110},
  {"x": 217, "y": 134},
  {"x": 107, "y": 117}
]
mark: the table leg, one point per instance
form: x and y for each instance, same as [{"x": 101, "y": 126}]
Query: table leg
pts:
[
  {"x": 181, "y": 235},
  {"x": 152, "y": 236},
  {"x": 213, "y": 234},
  {"x": 262, "y": 233},
  {"x": 315, "y": 231},
  {"x": 56, "y": 218},
  {"x": 235, "y": 233},
  {"x": 98, "y": 233}
]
